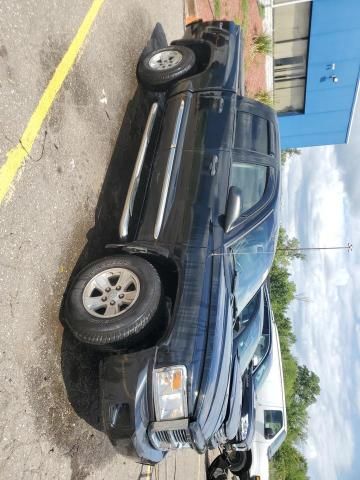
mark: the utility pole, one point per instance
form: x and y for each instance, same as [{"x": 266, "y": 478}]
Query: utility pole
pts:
[{"x": 347, "y": 247}]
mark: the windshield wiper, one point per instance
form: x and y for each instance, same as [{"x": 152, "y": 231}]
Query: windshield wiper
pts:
[{"x": 234, "y": 272}]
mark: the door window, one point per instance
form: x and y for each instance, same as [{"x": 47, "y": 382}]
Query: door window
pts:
[
  {"x": 251, "y": 180},
  {"x": 273, "y": 422},
  {"x": 252, "y": 133}
]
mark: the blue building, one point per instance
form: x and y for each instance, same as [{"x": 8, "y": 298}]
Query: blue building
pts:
[{"x": 316, "y": 69}]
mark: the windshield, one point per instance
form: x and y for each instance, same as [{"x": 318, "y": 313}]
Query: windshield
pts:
[
  {"x": 253, "y": 256},
  {"x": 263, "y": 370},
  {"x": 274, "y": 447},
  {"x": 248, "y": 339},
  {"x": 251, "y": 308}
]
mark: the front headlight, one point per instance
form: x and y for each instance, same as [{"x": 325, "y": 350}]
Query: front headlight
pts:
[{"x": 170, "y": 393}]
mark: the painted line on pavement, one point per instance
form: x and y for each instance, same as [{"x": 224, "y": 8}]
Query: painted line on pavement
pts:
[{"x": 15, "y": 157}]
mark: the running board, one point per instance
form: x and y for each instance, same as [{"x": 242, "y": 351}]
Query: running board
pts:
[
  {"x": 135, "y": 179},
  {"x": 169, "y": 168}
]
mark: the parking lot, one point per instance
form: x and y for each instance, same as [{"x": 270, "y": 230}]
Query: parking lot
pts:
[{"x": 61, "y": 208}]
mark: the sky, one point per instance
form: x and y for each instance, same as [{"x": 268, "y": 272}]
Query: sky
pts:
[{"x": 321, "y": 207}]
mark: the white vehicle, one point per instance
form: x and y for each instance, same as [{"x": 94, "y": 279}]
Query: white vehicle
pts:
[
  {"x": 270, "y": 417},
  {"x": 250, "y": 460}
]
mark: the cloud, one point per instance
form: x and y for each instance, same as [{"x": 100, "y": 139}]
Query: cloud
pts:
[
  {"x": 357, "y": 393},
  {"x": 318, "y": 210}
]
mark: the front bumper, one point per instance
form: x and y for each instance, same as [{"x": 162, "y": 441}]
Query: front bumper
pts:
[
  {"x": 124, "y": 403},
  {"x": 127, "y": 410}
]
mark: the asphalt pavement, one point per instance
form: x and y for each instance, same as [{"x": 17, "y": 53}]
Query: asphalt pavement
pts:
[{"x": 64, "y": 204}]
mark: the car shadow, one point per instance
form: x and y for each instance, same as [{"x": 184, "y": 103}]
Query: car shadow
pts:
[{"x": 79, "y": 364}]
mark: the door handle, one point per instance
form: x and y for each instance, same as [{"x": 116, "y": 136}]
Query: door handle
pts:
[{"x": 213, "y": 165}]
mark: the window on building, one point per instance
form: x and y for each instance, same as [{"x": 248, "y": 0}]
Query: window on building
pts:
[{"x": 291, "y": 45}]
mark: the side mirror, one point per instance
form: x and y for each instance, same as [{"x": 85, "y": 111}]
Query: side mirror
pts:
[{"x": 233, "y": 209}]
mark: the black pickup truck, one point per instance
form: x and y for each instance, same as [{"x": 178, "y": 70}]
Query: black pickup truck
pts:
[{"x": 197, "y": 237}]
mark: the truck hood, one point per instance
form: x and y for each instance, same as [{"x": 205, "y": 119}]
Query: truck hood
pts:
[{"x": 201, "y": 339}]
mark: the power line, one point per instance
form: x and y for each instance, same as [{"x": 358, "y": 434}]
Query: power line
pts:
[{"x": 348, "y": 247}]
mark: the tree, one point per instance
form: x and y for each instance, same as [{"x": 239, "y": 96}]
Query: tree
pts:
[
  {"x": 302, "y": 386},
  {"x": 290, "y": 464},
  {"x": 287, "y": 249},
  {"x": 307, "y": 386},
  {"x": 288, "y": 153}
]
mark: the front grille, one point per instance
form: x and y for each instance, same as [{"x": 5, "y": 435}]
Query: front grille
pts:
[
  {"x": 170, "y": 439},
  {"x": 163, "y": 437},
  {"x": 181, "y": 436}
]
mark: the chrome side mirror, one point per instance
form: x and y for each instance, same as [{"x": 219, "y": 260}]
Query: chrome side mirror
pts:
[{"x": 233, "y": 209}]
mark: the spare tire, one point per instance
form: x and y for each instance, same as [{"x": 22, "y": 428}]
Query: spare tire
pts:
[
  {"x": 160, "y": 68},
  {"x": 114, "y": 300}
]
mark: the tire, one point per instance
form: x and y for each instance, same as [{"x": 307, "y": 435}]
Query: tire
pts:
[
  {"x": 218, "y": 469},
  {"x": 160, "y": 68},
  {"x": 97, "y": 314},
  {"x": 240, "y": 462}
]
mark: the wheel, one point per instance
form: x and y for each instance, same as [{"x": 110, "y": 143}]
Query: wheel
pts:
[
  {"x": 239, "y": 462},
  {"x": 161, "y": 68},
  {"x": 114, "y": 300},
  {"x": 218, "y": 469}
]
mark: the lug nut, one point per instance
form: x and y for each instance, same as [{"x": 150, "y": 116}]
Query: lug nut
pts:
[
  {"x": 107, "y": 289},
  {"x": 121, "y": 295},
  {"x": 104, "y": 299},
  {"x": 118, "y": 287},
  {"x": 112, "y": 302}
]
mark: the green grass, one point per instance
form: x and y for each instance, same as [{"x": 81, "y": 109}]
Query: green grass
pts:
[
  {"x": 217, "y": 8},
  {"x": 261, "y": 9},
  {"x": 245, "y": 15},
  {"x": 262, "y": 44},
  {"x": 265, "y": 97}
]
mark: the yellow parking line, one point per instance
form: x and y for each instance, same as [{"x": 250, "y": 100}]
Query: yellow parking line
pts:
[
  {"x": 16, "y": 156},
  {"x": 148, "y": 473}
]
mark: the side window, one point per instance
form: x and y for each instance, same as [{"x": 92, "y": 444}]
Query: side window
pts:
[
  {"x": 252, "y": 133},
  {"x": 261, "y": 349},
  {"x": 264, "y": 342},
  {"x": 251, "y": 181},
  {"x": 273, "y": 421}
]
